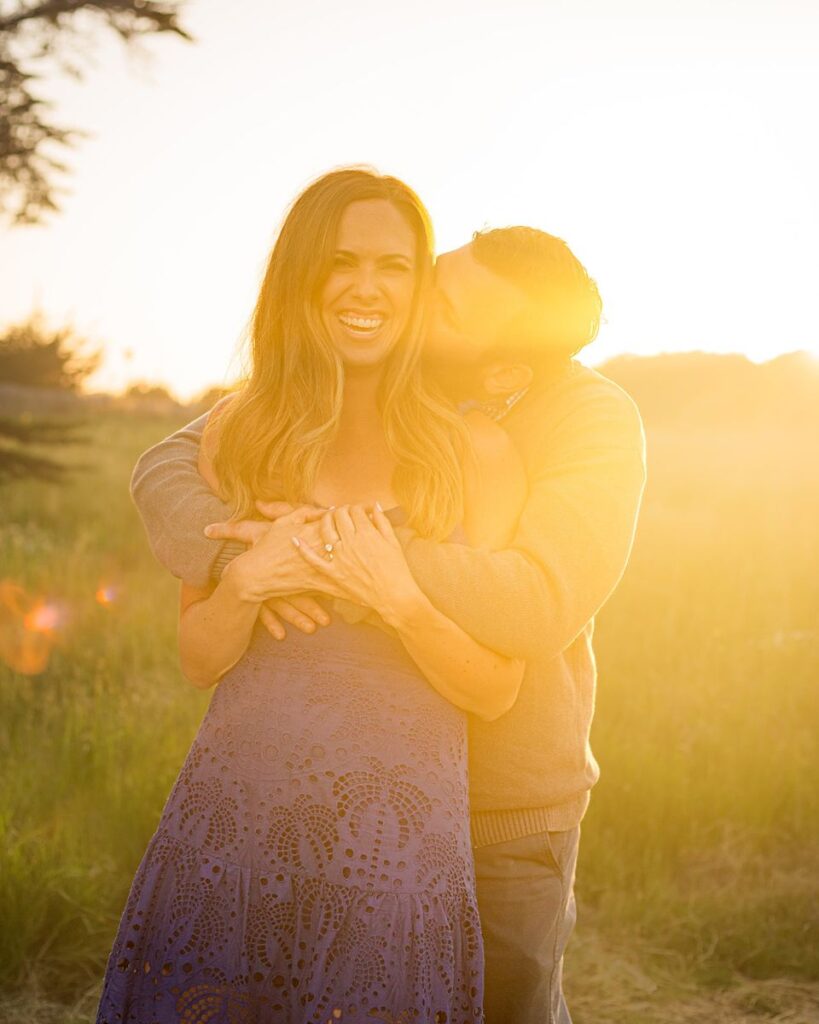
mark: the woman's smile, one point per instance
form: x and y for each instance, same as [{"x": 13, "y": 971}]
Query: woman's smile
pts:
[{"x": 362, "y": 325}]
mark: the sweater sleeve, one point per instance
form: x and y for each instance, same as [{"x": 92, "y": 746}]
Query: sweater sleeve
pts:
[
  {"x": 176, "y": 504},
  {"x": 572, "y": 542}
]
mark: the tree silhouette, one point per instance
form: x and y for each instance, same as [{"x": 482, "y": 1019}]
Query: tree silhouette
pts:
[
  {"x": 34, "y": 356},
  {"x": 41, "y": 35},
  {"x": 19, "y": 435}
]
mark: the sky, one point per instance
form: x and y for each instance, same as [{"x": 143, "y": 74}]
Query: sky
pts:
[{"x": 671, "y": 144}]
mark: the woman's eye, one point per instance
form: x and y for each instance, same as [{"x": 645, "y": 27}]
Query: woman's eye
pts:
[{"x": 340, "y": 260}]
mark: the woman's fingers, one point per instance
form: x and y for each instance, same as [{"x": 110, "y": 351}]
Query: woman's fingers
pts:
[
  {"x": 344, "y": 524},
  {"x": 329, "y": 533},
  {"x": 382, "y": 523},
  {"x": 359, "y": 517},
  {"x": 280, "y": 509},
  {"x": 305, "y": 514},
  {"x": 309, "y": 555},
  {"x": 289, "y": 613},
  {"x": 302, "y": 611},
  {"x": 271, "y": 622}
]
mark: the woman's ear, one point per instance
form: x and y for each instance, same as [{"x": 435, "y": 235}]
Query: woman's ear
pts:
[{"x": 502, "y": 379}]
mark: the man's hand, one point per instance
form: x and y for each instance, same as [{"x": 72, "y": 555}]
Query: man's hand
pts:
[{"x": 251, "y": 531}]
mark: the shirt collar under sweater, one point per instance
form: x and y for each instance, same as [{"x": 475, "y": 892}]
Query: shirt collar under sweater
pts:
[{"x": 497, "y": 409}]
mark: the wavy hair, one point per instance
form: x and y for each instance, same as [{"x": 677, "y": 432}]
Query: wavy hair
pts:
[{"x": 275, "y": 431}]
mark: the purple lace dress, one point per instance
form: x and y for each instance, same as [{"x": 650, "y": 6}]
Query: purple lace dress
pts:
[{"x": 312, "y": 862}]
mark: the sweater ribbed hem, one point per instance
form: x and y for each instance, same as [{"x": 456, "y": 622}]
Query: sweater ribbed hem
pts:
[{"x": 489, "y": 827}]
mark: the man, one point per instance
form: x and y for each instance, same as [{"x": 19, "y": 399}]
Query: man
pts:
[{"x": 512, "y": 309}]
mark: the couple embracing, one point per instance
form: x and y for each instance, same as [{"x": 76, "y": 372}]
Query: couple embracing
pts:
[{"x": 415, "y": 505}]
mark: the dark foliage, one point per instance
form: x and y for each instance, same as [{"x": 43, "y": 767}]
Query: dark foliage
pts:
[
  {"x": 38, "y": 36},
  {"x": 34, "y": 356},
  {"x": 18, "y": 435}
]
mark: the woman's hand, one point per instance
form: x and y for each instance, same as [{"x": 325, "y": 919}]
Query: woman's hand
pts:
[
  {"x": 272, "y": 567},
  {"x": 360, "y": 558}
]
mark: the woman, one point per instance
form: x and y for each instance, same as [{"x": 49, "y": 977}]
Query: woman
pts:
[{"x": 312, "y": 861}]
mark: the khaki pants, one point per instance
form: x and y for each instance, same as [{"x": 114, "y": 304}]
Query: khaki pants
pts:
[{"x": 526, "y": 903}]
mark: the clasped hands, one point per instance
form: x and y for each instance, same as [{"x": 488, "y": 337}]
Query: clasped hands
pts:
[{"x": 288, "y": 557}]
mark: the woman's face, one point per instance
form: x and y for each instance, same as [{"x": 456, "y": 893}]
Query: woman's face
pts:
[{"x": 366, "y": 300}]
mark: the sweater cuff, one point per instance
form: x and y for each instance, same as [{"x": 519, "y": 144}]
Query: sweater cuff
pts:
[{"x": 229, "y": 550}]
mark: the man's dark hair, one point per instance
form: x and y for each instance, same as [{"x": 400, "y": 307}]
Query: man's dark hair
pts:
[{"x": 564, "y": 306}]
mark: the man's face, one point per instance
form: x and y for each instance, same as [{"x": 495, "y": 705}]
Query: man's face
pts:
[{"x": 472, "y": 307}]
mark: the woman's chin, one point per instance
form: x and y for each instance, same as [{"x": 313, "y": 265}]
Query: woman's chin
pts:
[{"x": 364, "y": 356}]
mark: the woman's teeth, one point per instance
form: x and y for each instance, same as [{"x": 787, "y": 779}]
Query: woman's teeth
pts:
[{"x": 361, "y": 324}]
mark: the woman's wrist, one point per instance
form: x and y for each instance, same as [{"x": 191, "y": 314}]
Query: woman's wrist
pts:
[
  {"x": 237, "y": 585},
  {"x": 407, "y": 610}
]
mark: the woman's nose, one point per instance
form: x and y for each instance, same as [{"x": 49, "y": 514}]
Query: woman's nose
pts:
[{"x": 365, "y": 285}]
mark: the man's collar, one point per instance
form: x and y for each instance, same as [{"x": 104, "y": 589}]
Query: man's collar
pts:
[{"x": 497, "y": 408}]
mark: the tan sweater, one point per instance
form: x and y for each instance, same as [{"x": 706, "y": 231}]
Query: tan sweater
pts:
[{"x": 582, "y": 442}]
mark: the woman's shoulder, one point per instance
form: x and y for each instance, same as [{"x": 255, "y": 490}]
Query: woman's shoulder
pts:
[
  {"x": 495, "y": 484},
  {"x": 213, "y": 426},
  {"x": 490, "y": 442}
]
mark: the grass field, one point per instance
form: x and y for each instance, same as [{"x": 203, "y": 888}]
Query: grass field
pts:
[{"x": 698, "y": 864}]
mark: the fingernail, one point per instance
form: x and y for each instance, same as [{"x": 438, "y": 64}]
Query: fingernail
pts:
[
  {"x": 208, "y": 531},
  {"x": 378, "y": 506},
  {"x": 296, "y": 541}
]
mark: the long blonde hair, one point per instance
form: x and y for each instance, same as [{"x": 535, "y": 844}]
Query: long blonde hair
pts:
[{"x": 276, "y": 430}]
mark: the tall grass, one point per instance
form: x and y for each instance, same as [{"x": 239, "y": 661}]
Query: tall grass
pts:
[
  {"x": 702, "y": 832},
  {"x": 700, "y": 846}
]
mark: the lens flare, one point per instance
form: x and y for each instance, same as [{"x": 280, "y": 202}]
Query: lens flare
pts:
[
  {"x": 29, "y": 628},
  {"x": 43, "y": 618},
  {"x": 106, "y": 595}
]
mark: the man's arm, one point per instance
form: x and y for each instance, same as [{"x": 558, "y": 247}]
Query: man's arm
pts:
[
  {"x": 176, "y": 505},
  {"x": 572, "y": 543}
]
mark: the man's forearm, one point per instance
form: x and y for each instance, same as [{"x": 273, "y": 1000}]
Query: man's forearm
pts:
[
  {"x": 176, "y": 504},
  {"x": 572, "y": 543}
]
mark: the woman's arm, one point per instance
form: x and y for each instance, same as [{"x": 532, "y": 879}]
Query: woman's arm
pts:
[
  {"x": 586, "y": 467},
  {"x": 370, "y": 567},
  {"x": 471, "y": 676},
  {"x": 215, "y": 625},
  {"x": 216, "y": 622}
]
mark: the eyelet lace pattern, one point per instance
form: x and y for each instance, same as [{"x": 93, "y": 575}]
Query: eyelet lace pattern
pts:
[{"x": 312, "y": 862}]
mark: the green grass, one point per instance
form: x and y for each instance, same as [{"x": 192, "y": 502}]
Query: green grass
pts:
[{"x": 699, "y": 854}]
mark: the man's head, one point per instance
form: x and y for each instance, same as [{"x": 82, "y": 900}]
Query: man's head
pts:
[{"x": 508, "y": 307}]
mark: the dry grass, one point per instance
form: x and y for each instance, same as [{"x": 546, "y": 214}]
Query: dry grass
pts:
[{"x": 626, "y": 981}]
